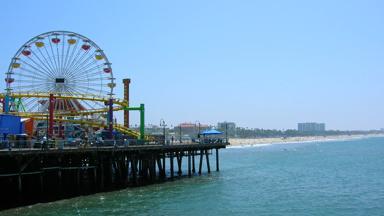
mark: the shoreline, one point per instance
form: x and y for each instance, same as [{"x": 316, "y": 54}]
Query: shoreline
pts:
[{"x": 256, "y": 142}]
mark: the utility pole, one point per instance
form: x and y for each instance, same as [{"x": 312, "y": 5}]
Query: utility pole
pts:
[
  {"x": 162, "y": 124},
  {"x": 226, "y": 132},
  {"x": 198, "y": 130},
  {"x": 180, "y": 132}
]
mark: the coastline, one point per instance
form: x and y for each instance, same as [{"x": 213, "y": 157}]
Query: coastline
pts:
[{"x": 255, "y": 142}]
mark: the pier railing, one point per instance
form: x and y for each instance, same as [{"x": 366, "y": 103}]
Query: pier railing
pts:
[{"x": 15, "y": 145}]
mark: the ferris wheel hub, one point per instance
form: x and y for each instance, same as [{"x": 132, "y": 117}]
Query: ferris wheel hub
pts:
[{"x": 60, "y": 80}]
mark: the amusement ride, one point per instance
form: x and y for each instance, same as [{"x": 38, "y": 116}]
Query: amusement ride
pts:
[{"x": 64, "y": 82}]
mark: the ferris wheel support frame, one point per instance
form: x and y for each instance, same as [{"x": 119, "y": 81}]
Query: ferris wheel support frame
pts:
[
  {"x": 51, "y": 109},
  {"x": 142, "y": 118},
  {"x": 110, "y": 118}
]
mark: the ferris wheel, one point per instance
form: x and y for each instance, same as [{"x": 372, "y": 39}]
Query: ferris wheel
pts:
[{"x": 60, "y": 63}]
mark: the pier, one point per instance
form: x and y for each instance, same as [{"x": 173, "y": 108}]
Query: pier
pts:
[
  {"x": 59, "y": 136},
  {"x": 30, "y": 176}
]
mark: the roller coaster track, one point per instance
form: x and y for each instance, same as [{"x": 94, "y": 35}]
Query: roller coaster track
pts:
[
  {"x": 121, "y": 105},
  {"x": 118, "y": 127}
]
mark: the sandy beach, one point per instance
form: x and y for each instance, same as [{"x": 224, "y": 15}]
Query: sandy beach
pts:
[{"x": 281, "y": 140}]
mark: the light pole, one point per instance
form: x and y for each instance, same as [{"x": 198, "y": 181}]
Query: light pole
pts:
[
  {"x": 180, "y": 132},
  {"x": 162, "y": 124},
  {"x": 226, "y": 132},
  {"x": 198, "y": 129}
]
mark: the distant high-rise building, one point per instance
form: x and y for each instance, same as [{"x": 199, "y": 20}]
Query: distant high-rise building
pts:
[
  {"x": 229, "y": 127},
  {"x": 311, "y": 127}
]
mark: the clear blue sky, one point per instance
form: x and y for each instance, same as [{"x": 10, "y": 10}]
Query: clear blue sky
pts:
[{"x": 266, "y": 64}]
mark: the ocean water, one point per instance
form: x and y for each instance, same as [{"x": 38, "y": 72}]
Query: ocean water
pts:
[{"x": 318, "y": 178}]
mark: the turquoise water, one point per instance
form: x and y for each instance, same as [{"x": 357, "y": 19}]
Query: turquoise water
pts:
[{"x": 329, "y": 178}]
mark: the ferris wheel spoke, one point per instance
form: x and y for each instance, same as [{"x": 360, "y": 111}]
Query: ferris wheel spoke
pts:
[
  {"x": 82, "y": 84},
  {"x": 87, "y": 74},
  {"x": 69, "y": 105},
  {"x": 59, "y": 105},
  {"x": 65, "y": 105},
  {"x": 92, "y": 84},
  {"x": 62, "y": 55},
  {"x": 75, "y": 60},
  {"x": 30, "y": 81},
  {"x": 79, "y": 92},
  {"x": 52, "y": 59},
  {"x": 32, "y": 86},
  {"x": 82, "y": 76},
  {"x": 82, "y": 63},
  {"x": 72, "y": 57},
  {"x": 50, "y": 89},
  {"x": 40, "y": 66},
  {"x": 76, "y": 105},
  {"x": 66, "y": 58},
  {"x": 78, "y": 63},
  {"x": 61, "y": 59},
  {"x": 56, "y": 107},
  {"x": 62, "y": 105},
  {"x": 68, "y": 71},
  {"x": 30, "y": 76},
  {"x": 53, "y": 54},
  {"x": 49, "y": 62},
  {"x": 47, "y": 88},
  {"x": 86, "y": 67},
  {"x": 98, "y": 84},
  {"x": 86, "y": 70},
  {"x": 88, "y": 84},
  {"x": 58, "y": 60},
  {"x": 85, "y": 81},
  {"x": 31, "y": 72},
  {"x": 87, "y": 104},
  {"x": 72, "y": 104},
  {"x": 73, "y": 90},
  {"x": 93, "y": 88},
  {"x": 86, "y": 77},
  {"x": 90, "y": 80},
  {"x": 36, "y": 69},
  {"x": 30, "y": 104},
  {"x": 34, "y": 107},
  {"x": 46, "y": 65},
  {"x": 85, "y": 87},
  {"x": 44, "y": 107}
]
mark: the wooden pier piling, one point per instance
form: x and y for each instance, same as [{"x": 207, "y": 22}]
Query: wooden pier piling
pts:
[{"x": 217, "y": 159}]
